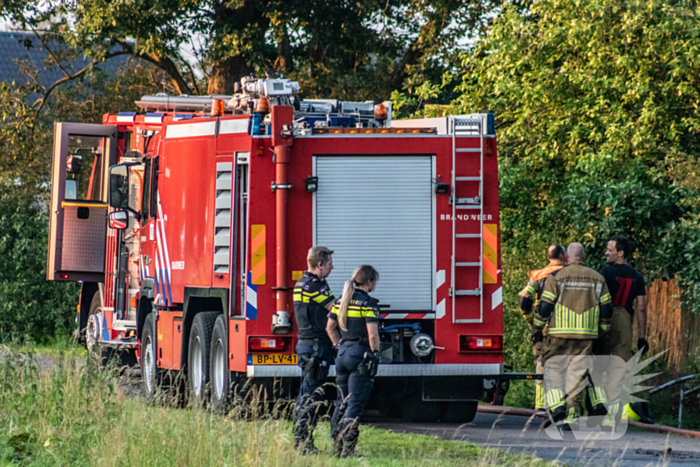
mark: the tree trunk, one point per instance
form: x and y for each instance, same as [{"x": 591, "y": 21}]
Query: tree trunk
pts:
[
  {"x": 246, "y": 19},
  {"x": 227, "y": 72}
]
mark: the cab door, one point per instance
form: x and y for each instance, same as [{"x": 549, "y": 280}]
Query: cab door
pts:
[{"x": 82, "y": 156}]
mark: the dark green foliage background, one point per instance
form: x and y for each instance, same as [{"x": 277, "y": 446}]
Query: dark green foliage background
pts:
[
  {"x": 32, "y": 308},
  {"x": 29, "y": 305}
]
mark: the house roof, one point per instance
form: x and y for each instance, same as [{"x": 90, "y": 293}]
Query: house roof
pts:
[{"x": 20, "y": 46}]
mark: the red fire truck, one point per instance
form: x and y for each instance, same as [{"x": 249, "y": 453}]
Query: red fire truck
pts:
[{"x": 189, "y": 223}]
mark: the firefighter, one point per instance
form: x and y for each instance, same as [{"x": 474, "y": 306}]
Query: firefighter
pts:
[
  {"x": 353, "y": 327},
  {"x": 313, "y": 301},
  {"x": 626, "y": 285},
  {"x": 577, "y": 308},
  {"x": 529, "y": 300}
]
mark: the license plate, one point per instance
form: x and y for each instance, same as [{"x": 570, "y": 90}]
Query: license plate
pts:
[{"x": 275, "y": 359}]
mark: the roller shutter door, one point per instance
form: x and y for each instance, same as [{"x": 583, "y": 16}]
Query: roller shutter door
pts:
[{"x": 378, "y": 210}]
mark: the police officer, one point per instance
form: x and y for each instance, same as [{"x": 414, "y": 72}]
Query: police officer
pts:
[
  {"x": 577, "y": 308},
  {"x": 626, "y": 285},
  {"x": 312, "y": 302},
  {"x": 353, "y": 327},
  {"x": 529, "y": 300}
]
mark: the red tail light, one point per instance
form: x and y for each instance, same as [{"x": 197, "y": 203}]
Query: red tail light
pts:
[
  {"x": 269, "y": 344},
  {"x": 477, "y": 343}
]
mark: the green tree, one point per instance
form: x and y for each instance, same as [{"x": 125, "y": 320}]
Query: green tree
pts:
[
  {"x": 596, "y": 102},
  {"x": 336, "y": 48},
  {"x": 31, "y": 307},
  {"x": 597, "y": 122}
]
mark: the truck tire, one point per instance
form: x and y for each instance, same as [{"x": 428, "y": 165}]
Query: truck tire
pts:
[
  {"x": 92, "y": 329},
  {"x": 149, "y": 366},
  {"x": 198, "y": 358},
  {"x": 458, "y": 412},
  {"x": 220, "y": 374}
]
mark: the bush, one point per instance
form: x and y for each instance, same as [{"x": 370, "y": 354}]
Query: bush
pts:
[{"x": 30, "y": 307}]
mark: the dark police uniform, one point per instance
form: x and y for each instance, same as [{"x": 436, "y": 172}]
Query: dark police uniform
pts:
[
  {"x": 353, "y": 377},
  {"x": 315, "y": 352}
]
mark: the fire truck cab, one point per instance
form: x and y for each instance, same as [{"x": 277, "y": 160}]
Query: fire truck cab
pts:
[{"x": 189, "y": 223}]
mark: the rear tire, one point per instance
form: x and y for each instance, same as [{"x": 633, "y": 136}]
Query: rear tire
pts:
[
  {"x": 149, "y": 366},
  {"x": 198, "y": 356},
  {"x": 220, "y": 374},
  {"x": 92, "y": 333},
  {"x": 458, "y": 412}
]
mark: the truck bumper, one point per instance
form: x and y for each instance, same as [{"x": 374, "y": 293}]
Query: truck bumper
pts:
[{"x": 447, "y": 369}]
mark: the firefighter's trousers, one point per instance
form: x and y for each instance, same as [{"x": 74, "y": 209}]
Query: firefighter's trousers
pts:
[
  {"x": 619, "y": 344},
  {"x": 566, "y": 365},
  {"x": 311, "y": 393},
  {"x": 539, "y": 350}
]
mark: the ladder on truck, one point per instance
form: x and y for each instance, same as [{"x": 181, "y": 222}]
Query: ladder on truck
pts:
[{"x": 461, "y": 126}]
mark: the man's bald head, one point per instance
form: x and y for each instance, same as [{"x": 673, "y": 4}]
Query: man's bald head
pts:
[
  {"x": 576, "y": 252},
  {"x": 556, "y": 252}
]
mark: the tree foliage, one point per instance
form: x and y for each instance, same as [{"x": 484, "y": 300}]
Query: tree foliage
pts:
[
  {"x": 335, "y": 48},
  {"x": 30, "y": 306},
  {"x": 597, "y": 114}
]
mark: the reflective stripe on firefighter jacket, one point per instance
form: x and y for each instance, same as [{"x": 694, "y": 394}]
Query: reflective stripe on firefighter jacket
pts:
[
  {"x": 530, "y": 295},
  {"x": 311, "y": 297},
  {"x": 575, "y": 303}
]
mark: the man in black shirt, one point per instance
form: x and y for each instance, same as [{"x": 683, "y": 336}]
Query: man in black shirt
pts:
[
  {"x": 312, "y": 303},
  {"x": 626, "y": 285}
]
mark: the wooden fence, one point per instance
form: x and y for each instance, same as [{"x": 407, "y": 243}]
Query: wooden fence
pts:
[{"x": 670, "y": 325}]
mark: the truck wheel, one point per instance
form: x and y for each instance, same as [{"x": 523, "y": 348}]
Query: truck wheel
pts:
[
  {"x": 458, "y": 412},
  {"x": 93, "y": 328},
  {"x": 220, "y": 374},
  {"x": 149, "y": 367},
  {"x": 198, "y": 356}
]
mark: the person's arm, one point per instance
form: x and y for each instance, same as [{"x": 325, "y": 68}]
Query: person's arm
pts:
[
  {"x": 550, "y": 294},
  {"x": 606, "y": 309},
  {"x": 332, "y": 330},
  {"x": 373, "y": 333},
  {"x": 642, "y": 316},
  {"x": 527, "y": 299}
]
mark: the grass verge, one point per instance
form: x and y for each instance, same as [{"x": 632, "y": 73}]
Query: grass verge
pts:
[{"x": 77, "y": 414}]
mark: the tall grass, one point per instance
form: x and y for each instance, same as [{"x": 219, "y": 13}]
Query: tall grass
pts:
[{"x": 76, "y": 413}]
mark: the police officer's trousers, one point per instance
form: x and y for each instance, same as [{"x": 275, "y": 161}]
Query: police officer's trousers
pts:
[
  {"x": 354, "y": 387},
  {"x": 311, "y": 392}
]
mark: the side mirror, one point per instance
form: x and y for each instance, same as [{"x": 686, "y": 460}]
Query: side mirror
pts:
[
  {"x": 119, "y": 187},
  {"x": 74, "y": 163},
  {"x": 118, "y": 220}
]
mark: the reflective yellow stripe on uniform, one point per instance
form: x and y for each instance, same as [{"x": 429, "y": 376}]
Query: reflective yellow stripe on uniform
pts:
[
  {"x": 596, "y": 395},
  {"x": 539, "y": 323},
  {"x": 320, "y": 298},
  {"x": 549, "y": 295},
  {"x": 605, "y": 298},
  {"x": 356, "y": 311},
  {"x": 569, "y": 322},
  {"x": 554, "y": 398},
  {"x": 530, "y": 289}
]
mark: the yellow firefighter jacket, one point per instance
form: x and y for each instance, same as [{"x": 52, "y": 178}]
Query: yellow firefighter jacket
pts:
[{"x": 575, "y": 303}]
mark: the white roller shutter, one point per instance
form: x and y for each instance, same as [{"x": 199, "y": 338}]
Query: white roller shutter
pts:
[{"x": 378, "y": 210}]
